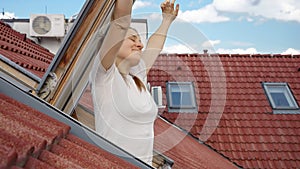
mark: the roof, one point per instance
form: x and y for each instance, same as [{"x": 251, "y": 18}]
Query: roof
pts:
[
  {"x": 234, "y": 116},
  {"x": 185, "y": 150},
  {"x": 23, "y": 51},
  {"x": 31, "y": 139}
]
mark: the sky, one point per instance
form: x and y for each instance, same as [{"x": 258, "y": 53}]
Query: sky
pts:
[{"x": 220, "y": 26}]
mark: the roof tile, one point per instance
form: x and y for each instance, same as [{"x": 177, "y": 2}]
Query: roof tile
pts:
[
  {"x": 38, "y": 164},
  {"x": 32, "y": 139},
  {"x": 23, "y": 51},
  {"x": 248, "y": 133}
]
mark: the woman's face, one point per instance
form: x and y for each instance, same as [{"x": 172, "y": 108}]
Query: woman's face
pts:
[{"x": 131, "y": 47}]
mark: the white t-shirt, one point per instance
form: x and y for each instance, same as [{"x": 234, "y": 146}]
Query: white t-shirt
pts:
[{"x": 124, "y": 115}]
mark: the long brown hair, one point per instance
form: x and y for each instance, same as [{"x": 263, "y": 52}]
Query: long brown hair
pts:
[{"x": 139, "y": 83}]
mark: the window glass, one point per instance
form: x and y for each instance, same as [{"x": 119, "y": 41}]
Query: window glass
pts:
[
  {"x": 281, "y": 98},
  {"x": 181, "y": 97}
]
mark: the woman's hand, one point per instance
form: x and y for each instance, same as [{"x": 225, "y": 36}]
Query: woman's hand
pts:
[
  {"x": 122, "y": 8},
  {"x": 168, "y": 11}
]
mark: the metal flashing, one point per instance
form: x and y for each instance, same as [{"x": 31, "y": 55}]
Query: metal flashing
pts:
[{"x": 19, "y": 68}]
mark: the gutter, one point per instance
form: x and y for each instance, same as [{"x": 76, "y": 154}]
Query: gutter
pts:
[{"x": 20, "y": 69}]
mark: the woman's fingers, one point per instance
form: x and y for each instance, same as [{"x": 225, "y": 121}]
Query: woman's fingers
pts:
[
  {"x": 177, "y": 9},
  {"x": 172, "y": 4},
  {"x": 168, "y": 4},
  {"x": 169, "y": 7}
]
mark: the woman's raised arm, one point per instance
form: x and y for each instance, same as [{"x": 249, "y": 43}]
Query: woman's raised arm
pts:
[
  {"x": 157, "y": 40},
  {"x": 120, "y": 21}
]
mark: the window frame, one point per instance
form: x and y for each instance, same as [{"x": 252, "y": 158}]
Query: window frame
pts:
[
  {"x": 193, "y": 108},
  {"x": 74, "y": 60},
  {"x": 285, "y": 89}
]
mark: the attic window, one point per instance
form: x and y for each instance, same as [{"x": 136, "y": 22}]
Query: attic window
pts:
[
  {"x": 181, "y": 97},
  {"x": 281, "y": 98}
]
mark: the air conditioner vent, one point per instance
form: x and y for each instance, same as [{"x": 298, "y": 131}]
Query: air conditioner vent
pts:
[{"x": 47, "y": 25}]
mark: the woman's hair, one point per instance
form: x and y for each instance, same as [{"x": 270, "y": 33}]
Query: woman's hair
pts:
[{"x": 139, "y": 83}]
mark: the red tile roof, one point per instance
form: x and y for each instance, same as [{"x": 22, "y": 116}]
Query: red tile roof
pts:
[
  {"x": 31, "y": 139},
  {"x": 23, "y": 51},
  {"x": 234, "y": 116},
  {"x": 186, "y": 151}
]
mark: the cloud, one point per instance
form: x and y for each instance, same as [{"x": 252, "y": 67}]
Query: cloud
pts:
[
  {"x": 186, "y": 49},
  {"x": 206, "y": 14},
  {"x": 140, "y": 4},
  {"x": 288, "y": 10},
  {"x": 291, "y": 51},
  {"x": 210, "y": 44},
  {"x": 237, "y": 51},
  {"x": 7, "y": 15}
]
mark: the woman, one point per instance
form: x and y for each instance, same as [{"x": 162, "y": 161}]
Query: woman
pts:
[{"x": 124, "y": 109}]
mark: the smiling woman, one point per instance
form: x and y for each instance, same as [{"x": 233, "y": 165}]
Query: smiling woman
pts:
[{"x": 124, "y": 109}]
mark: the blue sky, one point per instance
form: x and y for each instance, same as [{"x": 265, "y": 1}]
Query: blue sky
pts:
[{"x": 221, "y": 26}]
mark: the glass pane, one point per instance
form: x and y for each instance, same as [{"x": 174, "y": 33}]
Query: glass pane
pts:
[
  {"x": 176, "y": 99},
  {"x": 280, "y": 100},
  {"x": 186, "y": 99},
  {"x": 181, "y": 99}
]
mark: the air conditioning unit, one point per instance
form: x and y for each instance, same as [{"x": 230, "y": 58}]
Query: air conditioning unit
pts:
[
  {"x": 47, "y": 25},
  {"x": 157, "y": 95}
]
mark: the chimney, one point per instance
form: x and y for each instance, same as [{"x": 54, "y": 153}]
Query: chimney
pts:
[{"x": 205, "y": 51}]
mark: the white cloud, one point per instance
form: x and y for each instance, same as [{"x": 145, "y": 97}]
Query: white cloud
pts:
[
  {"x": 140, "y": 4},
  {"x": 210, "y": 44},
  {"x": 206, "y": 14},
  {"x": 237, "y": 51},
  {"x": 291, "y": 51},
  {"x": 178, "y": 49},
  {"x": 7, "y": 15},
  {"x": 185, "y": 49},
  {"x": 287, "y": 10}
]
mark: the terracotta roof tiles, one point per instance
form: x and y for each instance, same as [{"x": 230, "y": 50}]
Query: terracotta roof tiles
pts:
[
  {"x": 186, "y": 151},
  {"x": 248, "y": 133},
  {"x": 23, "y": 51},
  {"x": 31, "y": 139}
]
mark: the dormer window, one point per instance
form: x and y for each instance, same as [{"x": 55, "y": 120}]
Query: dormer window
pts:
[
  {"x": 181, "y": 97},
  {"x": 281, "y": 98}
]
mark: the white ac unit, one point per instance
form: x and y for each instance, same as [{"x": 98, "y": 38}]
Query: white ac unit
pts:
[
  {"x": 47, "y": 25},
  {"x": 157, "y": 95}
]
